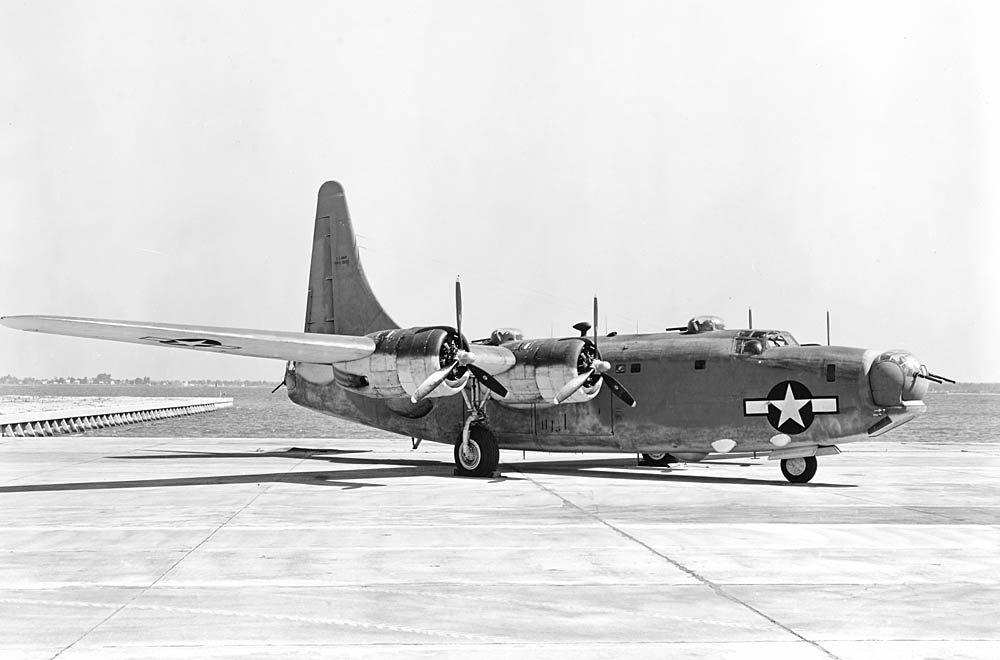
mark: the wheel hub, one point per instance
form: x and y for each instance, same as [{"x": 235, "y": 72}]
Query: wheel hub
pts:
[
  {"x": 796, "y": 466},
  {"x": 470, "y": 455}
]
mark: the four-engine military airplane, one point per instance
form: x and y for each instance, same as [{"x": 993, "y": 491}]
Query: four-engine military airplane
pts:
[{"x": 679, "y": 395}]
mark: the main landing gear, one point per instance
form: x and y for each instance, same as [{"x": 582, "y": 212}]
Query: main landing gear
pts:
[
  {"x": 661, "y": 460},
  {"x": 479, "y": 455},
  {"x": 799, "y": 470}
]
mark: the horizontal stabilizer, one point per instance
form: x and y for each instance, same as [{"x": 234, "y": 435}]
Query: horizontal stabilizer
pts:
[{"x": 295, "y": 346}]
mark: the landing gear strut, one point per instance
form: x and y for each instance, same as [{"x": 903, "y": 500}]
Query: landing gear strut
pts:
[
  {"x": 477, "y": 453},
  {"x": 799, "y": 470}
]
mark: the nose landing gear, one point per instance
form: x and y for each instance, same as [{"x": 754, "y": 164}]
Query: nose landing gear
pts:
[{"x": 799, "y": 470}]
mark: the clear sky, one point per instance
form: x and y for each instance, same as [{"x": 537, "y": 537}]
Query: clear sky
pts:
[{"x": 160, "y": 161}]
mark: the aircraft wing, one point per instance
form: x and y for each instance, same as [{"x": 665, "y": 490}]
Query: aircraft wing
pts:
[{"x": 296, "y": 346}]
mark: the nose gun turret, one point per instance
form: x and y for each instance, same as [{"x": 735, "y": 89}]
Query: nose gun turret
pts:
[{"x": 898, "y": 377}]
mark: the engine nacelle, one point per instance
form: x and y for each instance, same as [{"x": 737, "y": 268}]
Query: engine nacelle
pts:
[
  {"x": 543, "y": 366},
  {"x": 402, "y": 360}
]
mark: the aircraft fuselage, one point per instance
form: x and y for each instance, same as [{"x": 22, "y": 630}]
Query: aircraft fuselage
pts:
[{"x": 693, "y": 390}]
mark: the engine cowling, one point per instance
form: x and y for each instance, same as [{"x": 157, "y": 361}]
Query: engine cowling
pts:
[
  {"x": 543, "y": 366},
  {"x": 402, "y": 360}
]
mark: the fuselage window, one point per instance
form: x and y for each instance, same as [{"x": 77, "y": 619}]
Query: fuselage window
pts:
[
  {"x": 635, "y": 367},
  {"x": 699, "y": 364},
  {"x": 831, "y": 373}
]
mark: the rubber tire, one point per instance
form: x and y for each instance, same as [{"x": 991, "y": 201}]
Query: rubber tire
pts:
[
  {"x": 660, "y": 460},
  {"x": 489, "y": 453},
  {"x": 806, "y": 475}
]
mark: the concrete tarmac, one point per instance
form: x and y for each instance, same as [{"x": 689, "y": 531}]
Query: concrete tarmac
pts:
[{"x": 244, "y": 548}]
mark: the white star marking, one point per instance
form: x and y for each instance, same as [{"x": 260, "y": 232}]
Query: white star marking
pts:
[{"x": 790, "y": 407}]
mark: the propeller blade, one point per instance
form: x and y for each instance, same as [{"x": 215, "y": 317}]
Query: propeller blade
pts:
[
  {"x": 432, "y": 382},
  {"x": 618, "y": 390},
  {"x": 570, "y": 388},
  {"x": 458, "y": 309},
  {"x": 489, "y": 381},
  {"x": 595, "y": 322}
]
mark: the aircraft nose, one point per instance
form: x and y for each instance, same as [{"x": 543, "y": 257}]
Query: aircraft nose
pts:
[{"x": 895, "y": 377}]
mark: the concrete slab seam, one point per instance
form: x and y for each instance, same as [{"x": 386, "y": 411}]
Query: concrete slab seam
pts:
[
  {"x": 348, "y": 623},
  {"x": 172, "y": 566},
  {"x": 130, "y": 603},
  {"x": 165, "y": 441},
  {"x": 567, "y": 607},
  {"x": 915, "y": 509},
  {"x": 718, "y": 589}
]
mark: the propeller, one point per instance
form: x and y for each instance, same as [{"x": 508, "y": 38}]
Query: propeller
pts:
[
  {"x": 460, "y": 359},
  {"x": 595, "y": 369}
]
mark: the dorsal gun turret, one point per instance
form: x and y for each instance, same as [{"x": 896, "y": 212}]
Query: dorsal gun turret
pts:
[{"x": 700, "y": 324}]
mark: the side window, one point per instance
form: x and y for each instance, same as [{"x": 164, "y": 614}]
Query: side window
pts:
[
  {"x": 635, "y": 367},
  {"x": 775, "y": 340},
  {"x": 750, "y": 342},
  {"x": 699, "y": 364},
  {"x": 749, "y": 346}
]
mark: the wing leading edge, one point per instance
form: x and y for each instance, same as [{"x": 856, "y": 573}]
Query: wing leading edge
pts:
[{"x": 295, "y": 346}]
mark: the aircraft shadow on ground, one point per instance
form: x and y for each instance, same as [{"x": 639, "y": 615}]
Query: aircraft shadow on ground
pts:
[{"x": 390, "y": 468}]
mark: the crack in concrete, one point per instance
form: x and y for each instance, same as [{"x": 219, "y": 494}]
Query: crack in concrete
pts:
[{"x": 716, "y": 588}]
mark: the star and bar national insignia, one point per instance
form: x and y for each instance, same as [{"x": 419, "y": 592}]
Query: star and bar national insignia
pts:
[
  {"x": 192, "y": 342},
  {"x": 790, "y": 407}
]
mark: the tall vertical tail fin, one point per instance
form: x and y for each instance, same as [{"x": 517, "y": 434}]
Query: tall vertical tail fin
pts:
[{"x": 340, "y": 299}]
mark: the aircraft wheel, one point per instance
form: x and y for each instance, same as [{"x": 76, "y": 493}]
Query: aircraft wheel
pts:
[
  {"x": 799, "y": 470},
  {"x": 483, "y": 454},
  {"x": 661, "y": 459}
]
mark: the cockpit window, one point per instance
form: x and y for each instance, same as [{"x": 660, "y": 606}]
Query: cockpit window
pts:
[
  {"x": 773, "y": 341},
  {"x": 756, "y": 342}
]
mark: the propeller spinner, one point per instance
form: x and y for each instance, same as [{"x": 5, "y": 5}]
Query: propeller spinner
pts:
[
  {"x": 455, "y": 359},
  {"x": 592, "y": 370}
]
